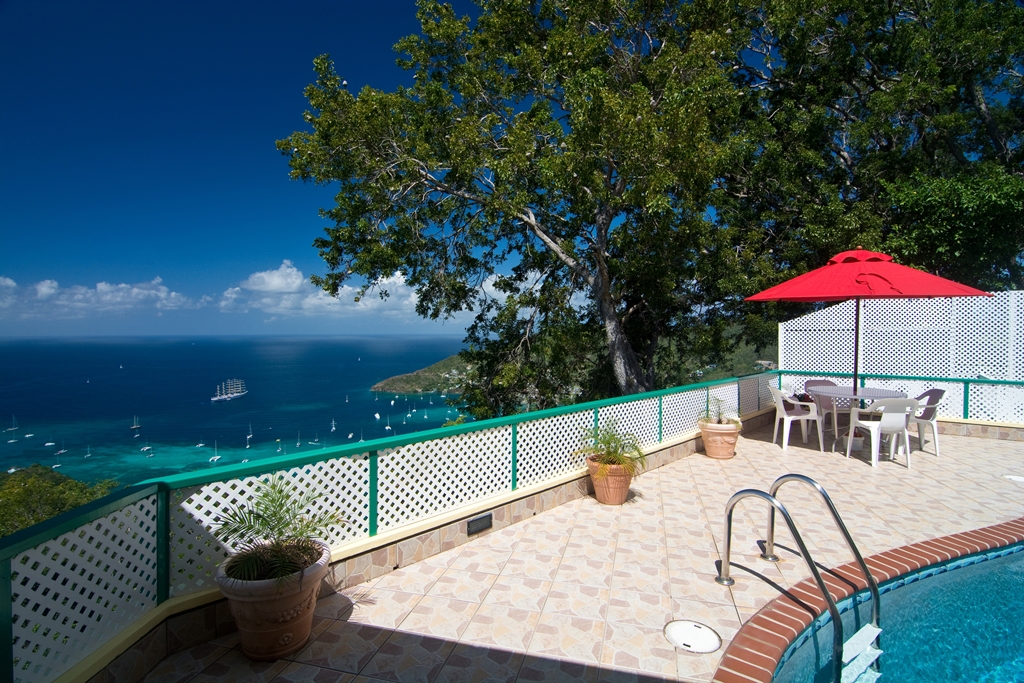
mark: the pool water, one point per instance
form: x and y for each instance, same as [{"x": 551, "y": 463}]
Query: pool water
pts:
[{"x": 961, "y": 625}]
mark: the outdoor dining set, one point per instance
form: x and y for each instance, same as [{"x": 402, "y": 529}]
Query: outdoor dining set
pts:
[{"x": 876, "y": 412}]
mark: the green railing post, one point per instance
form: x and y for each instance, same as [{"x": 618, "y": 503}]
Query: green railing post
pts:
[
  {"x": 967, "y": 400},
  {"x": 597, "y": 420},
  {"x": 373, "y": 493},
  {"x": 515, "y": 457},
  {"x": 661, "y": 420},
  {"x": 707, "y": 400},
  {"x": 163, "y": 544},
  {"x": 6, "y": 627}
]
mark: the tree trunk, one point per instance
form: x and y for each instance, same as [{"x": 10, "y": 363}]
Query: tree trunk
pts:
[{"x": 628, "y": 374}]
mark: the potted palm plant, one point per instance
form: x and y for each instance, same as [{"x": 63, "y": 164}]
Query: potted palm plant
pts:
[
  {"x": 719, "y": 431},
  {"x": 613, "y": 459},
  {"x": 273, "y": 578}
]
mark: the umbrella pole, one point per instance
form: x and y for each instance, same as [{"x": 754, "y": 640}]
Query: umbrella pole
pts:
[{"x": 856, "y": 341}]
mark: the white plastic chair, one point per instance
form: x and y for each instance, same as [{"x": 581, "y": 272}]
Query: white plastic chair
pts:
[
  {"x": 788, "y": 410},
  {"x": 894, "y": 415},
  {"x": 928, "y": 416},
  {"x": 827, "y": 404}
]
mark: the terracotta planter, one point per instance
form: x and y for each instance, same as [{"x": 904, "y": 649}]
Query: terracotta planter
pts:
[
  {"x": 274, "y": 617},
  {"x": 719, "y": 439},
  {"x": 611, "y": 488}
]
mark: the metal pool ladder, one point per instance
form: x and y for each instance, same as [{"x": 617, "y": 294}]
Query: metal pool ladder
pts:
[{"x": 854, "y": 660}]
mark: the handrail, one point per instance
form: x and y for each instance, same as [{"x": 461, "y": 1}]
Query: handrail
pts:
[
  {"x": 724, "y": 579},
  {"x": 769, "y": 545}
]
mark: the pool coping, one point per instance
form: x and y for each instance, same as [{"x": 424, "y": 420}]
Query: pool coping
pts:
[{"x": 761, "y": 642}]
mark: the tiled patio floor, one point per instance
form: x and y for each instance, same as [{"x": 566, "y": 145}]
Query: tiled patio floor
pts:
[{"x": 582, "y": 592}]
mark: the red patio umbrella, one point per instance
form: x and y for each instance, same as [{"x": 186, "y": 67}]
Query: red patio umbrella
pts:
[{"x": 861, "y": 274}]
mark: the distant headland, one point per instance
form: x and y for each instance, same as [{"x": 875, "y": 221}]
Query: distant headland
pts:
[{"x": 442, "y": 377}]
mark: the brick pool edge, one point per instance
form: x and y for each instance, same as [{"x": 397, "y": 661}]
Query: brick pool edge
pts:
[{"x": 759, "y": 645}]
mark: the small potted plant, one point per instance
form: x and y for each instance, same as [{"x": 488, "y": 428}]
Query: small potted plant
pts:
[
  {"x": 719, "y": 432},
  {"x": 613, "y": 459},
  {"x": 273, "y": 579}
]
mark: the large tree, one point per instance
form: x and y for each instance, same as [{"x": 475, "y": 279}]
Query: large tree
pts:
[{"x": 551, "y": 169}]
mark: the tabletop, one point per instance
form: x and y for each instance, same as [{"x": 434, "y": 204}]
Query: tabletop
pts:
[{"x": 862, "y": 392}]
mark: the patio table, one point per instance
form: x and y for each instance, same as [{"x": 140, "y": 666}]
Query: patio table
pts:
[{"x": 861, "y": 393}]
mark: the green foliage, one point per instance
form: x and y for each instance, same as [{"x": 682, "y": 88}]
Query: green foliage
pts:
[
  {"x": 445, "y": 375},
  {"x": 714, "y": 413},
  {"x": 460, "y": 420},
  {"x": 273, "y": 534},
  {"x": 610, "y": 447},
  {"x": 37, "y": 493}
]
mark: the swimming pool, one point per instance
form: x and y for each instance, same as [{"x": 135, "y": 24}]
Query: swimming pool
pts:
[{"x": 955, "y": 622}]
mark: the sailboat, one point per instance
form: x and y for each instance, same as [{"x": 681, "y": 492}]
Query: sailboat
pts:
[
  {"x": 388, "y": 428},
  {"x": 88, "y": 452},
  {"x": 50, "y": 443},
  {"x": 279, "y": 445},
  {"x": 316, "y": 441},
  {"x": 376, "y": 416},
  {"x": 135, "y": 423},
  {"x": 146, "y": 447},
  {"x": 346, "y": 398},
  {"x": 351, "y": 434},
  {"x": 298, "y": 439},
  {"x": 215, "y": 457},
  {"x": 361, "y": 435},
  {"x": 14, "y": 425},
  {"x": 62, "y": 449},
  {"x": 333, "y": 426},
  {"x": 200, "y": 444},
  {"x": 249, "y": 436},
  {"x": 29, "y": 435}
]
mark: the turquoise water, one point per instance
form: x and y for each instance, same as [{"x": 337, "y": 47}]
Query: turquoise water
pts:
[
  {"x": 82, "y": 395},
  {"x": 965, "y": 625}
]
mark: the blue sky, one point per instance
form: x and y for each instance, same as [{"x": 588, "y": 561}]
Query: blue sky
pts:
[{"x": 140, "y": 189}]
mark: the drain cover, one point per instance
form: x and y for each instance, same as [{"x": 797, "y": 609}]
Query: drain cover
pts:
[
  {"x": 692, "y": 637},
  {"x": 1013, "y": 477}
]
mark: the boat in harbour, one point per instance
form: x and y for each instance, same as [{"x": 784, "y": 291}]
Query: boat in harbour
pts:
[
  {"x": 14, "y": 425},
  {"x": 62, "y": 449},
  {"x": 316, "y": 441},
  {"x": 215, "y": 457},
  {"x": 333, "y": 426},
  {"x": 232, "y": 388},
  {"x": 248, "y": 438},
  {"x": 135, "y": 423}
]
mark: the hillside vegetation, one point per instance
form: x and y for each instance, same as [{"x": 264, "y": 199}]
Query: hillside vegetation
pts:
[
  {"x": 443, "y": 376},
  {"x": 34, "y": 494}
]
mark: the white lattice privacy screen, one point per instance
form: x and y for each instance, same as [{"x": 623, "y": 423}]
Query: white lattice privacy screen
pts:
[
  {"x": 71, "y": 595},
  {"x": 966, "y": 338}
]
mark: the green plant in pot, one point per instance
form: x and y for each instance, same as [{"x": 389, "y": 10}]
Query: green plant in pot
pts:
[
  {"x": 613, "y": 459},
  {"x": 719, "y": 431},
  {"x": 273, "y": 579}
]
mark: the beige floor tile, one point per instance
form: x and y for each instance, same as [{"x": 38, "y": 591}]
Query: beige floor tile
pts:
[
  {"x": 469, "y": 663},
  {"x": 441, "y": 617},
  {"x": 409, "y": 658},
  {"x": 585, "y": 572},
  {"x": 344, "y": 646},
  {"x": 487, "y": 560},
  {"x": 516, "y": 591},
  {"x": 462, "y": 585},
  {"x": 579, "y": 600},
  {"x": 234, "y": 667},
  {"x": 638, "y": 648},
  {"x": 417, "y": 578},
  {"x": 567, "y": 637},
  {"x": 303, "y": 673},
  {"x": 506, "y": 628},
  {"x": 650, "y": 610},
  {"x": 541, "y": 566},
  {"x": 382, "y": 608},
  {"x": 181, "y": 666}
]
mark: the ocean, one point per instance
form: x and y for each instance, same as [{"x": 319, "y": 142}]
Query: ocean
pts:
[{"x": 83, "y": 395}]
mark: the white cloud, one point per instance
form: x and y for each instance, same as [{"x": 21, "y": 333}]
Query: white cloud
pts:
[
  {"x": 46, "y": 289},
  {"x": 287, "y": 278},
  {"x": 47, "y": 298},
  {"x": 286, "y": 292},
  {"x": 8, "y": 294}
]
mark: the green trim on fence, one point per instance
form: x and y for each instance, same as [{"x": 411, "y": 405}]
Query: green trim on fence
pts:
[
  {"x": 23, "y": 540},
  {"x": 6, "y": 627},
  {"x": 373, "y": 494},
  {"x": 661, "y": 419},
  {"x": 739, "y": 404},
  {"x": 967, "y": 399},
  {"x": 515, "y": 457},
  {"x": 163, "y": 545}
]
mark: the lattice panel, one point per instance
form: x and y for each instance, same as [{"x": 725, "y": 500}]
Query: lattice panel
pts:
[
  {"x": 681, "y": 411},
  {"x": 965, "y": 337},
  {"x": 426, "y": 478},
  {"x": 983, "y": 338},
  {"x": 72, "y": 594},
  {"x": 952, "y": 404},
  {"x": 635, "y": 417},
  {"x": 545, "y": 447},
  {"x": 998, "y": 403},
  {"x": 341, "y": 485},
  {"x": 722, "y": 398},
  {"x": 750, "y": 401}
]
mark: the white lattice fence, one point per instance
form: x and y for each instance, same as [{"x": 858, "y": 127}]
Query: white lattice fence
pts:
[
  {"x": 997, "y": 403},
  {"x": 545, "y": 447},
  {"x": 72, "y": 594},
  {"x": 340, "y": 484},
  {"x": 639, "y": 418},
  {"x": 429, "y": 477},
  {"x": 681, "y": 411}
]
